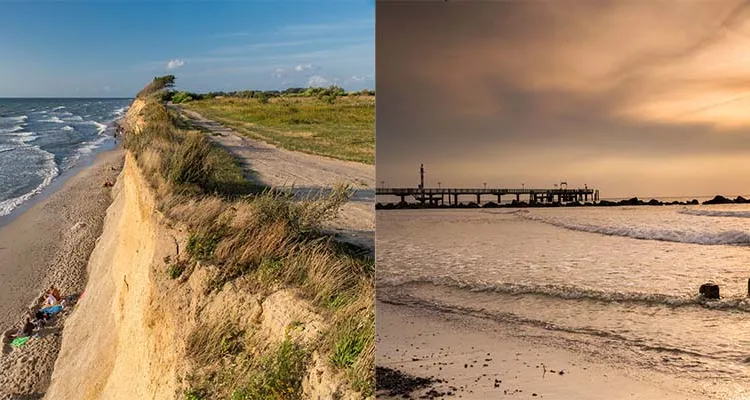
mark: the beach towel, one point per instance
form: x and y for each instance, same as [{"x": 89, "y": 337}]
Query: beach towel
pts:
[
  {"x": 20, "y": 341},
  {"x": 51, "y": 310}
]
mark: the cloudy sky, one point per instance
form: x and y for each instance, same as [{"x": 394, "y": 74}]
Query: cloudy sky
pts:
[
  {"x": 113, "y": 47},
  {"x": 631, "y": 97}
]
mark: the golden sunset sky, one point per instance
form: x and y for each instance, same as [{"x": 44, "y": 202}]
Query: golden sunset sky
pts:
[{"x": 631, "y": 97}]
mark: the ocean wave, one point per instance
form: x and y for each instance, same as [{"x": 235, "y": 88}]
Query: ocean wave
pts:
[
  {"x": 89, "y": 147},
  {"x": 100, "y": 127},
  {"x": 54, "y": 119},
  {"x": 730, "y": 237},
  {"x": 512, "y": 318},
  {"x": 12, "y": 129},
  {"x": 24, "y": 137},
  {"x": 16, "y": 119},
  {"x": 67, "y": 128},
  {"x": 120, "y": 111},
  {"x": 715, "y": 213},
  {"x": 568, "y": 292},
  {"x": 50, "y": 172},
  {"x": 58, "y": 108},
  {"x": 75, "y": 118},
  {"x": 6, "y": 148}
]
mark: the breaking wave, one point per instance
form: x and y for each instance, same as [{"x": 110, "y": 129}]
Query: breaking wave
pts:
[
  {"x": 49, "y": 172},
  {"x": 730, "y": 237},
  {"x": 566, "y": 292},
  {"x": 715, "y": 213}
]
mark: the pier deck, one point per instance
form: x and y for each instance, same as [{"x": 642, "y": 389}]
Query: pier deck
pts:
[{"x": 438, "y": 195}]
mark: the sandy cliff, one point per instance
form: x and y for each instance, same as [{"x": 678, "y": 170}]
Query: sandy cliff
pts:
[
  {"x": 113, "y": 346},
  {"x": 129, "y": 334}
]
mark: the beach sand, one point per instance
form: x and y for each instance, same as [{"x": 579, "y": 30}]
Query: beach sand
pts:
[
  {"x": 478, "y": 359},
  {"x": 49, "y": 244}
]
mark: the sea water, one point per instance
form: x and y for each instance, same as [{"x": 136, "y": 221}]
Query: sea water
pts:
[
  {"x": 618, "y": 283},
  {"x": 42, "y": 138}
]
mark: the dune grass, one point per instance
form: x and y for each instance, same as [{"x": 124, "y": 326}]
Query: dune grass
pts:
[
  {"x": 266, "y": 236},
  {"x": 344, "y": 129}
]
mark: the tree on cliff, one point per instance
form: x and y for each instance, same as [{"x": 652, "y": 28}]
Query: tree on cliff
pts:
[{"x": 159, "y": 84}]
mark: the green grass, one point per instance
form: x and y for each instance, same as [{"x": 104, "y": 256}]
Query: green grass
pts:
[
  {"x": 276, "y": 376},
  {"x": 344, "y": 130},
  {"x": 175, "y": 270}
]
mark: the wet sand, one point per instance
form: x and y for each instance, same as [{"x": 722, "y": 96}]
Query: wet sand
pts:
[
  {"x": 470, "y": 358},
  {"x": 49, "y": 244}
]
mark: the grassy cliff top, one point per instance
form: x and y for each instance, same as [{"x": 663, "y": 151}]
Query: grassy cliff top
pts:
[{"x": 342, "y": 128}]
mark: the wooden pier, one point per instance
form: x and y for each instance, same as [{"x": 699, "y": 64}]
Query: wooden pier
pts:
[{"x": 437, "y": 196}]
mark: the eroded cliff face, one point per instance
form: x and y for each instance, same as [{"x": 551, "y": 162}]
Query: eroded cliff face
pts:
[
  {"x": 112, "y": 347},
  {"x": 118, "y": 343},
  {"x": 128, "y": 335}
]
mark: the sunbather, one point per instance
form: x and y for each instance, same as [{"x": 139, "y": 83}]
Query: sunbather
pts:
[
  {"x": 26, "y": 330},
  {"x": 52, "y": 296}
]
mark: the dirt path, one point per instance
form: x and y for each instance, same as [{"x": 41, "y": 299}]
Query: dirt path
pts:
[{"x": 308, "y": 174}]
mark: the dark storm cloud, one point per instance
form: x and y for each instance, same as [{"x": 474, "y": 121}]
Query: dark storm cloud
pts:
[{"x": 503, "y": 91}]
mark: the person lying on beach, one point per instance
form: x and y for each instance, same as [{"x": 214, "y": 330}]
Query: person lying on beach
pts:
[
  {"x": 53, "y": 290},
  {"x": 52, "y": 296},
  {"x": 26, "y": 330}
]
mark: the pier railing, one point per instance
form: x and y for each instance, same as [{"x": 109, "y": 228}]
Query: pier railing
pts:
[{"x": 435, "y": 195}]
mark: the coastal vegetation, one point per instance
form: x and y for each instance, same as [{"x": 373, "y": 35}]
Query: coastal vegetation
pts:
[
  {"x": 252, "y": 233},
  {"x": 323, "y": 121}
]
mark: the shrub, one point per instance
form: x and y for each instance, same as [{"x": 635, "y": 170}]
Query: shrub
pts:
[{"x": 277, "y": 376}]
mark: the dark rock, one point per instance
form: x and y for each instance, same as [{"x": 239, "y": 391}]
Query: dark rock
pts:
[
  {"x": 741, "y": 200},
  {"x": 397, "y": 383},
  {"x": 709, "y": 290},
  {"x": 654, "y": 202},
  {"x": 630, "y": 202},
  {"x": 719, "y": 200}
]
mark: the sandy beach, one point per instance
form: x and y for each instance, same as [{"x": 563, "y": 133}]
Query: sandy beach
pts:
[
  {"x": 49, "y": 244},
  {"x": 475, "y": 359}
]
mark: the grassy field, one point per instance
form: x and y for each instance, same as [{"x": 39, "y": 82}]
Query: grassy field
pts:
[{"x": 344, "y": 130}]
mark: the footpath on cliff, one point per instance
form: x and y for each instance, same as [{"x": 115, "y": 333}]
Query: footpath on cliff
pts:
[{"x": 305, "y": 175}]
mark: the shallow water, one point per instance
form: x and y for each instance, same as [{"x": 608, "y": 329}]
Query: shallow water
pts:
[
  {"x": 42, "y": 138},
  {"x": 621, "y": 281}
]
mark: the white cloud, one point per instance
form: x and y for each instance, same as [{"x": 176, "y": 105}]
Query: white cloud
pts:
[
  {"x": 306, "y": 67},
  {"x": 317, "y": 81},
  {"x": 174, "y": 64}
]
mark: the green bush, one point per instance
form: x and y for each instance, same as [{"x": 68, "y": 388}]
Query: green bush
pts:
[
  {"x": 175, "y": 270},
  {"x": 278, "y": 376},
  {"x": 181, "y": 97}
]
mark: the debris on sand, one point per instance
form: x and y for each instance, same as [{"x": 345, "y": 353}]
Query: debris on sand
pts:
[{"x": 396, "y": 383}]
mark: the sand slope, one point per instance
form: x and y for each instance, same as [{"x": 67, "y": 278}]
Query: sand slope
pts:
[{"x": 107, "y": 349}]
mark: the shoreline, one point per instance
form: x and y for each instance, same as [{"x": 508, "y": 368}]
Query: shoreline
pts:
[
  {"x": 48, "y": 242},
  {"x": 59, "y": 181},
  {"x": 472, "y": 358}
]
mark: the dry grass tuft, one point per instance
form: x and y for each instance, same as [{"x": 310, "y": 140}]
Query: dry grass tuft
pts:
[{"x": 268, "y": 237}]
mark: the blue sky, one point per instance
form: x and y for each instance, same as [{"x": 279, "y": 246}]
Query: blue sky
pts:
[{"x": 113, "y": 48}]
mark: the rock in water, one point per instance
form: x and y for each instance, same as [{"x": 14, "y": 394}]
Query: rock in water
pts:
[{"x": 709, "y": 290}]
